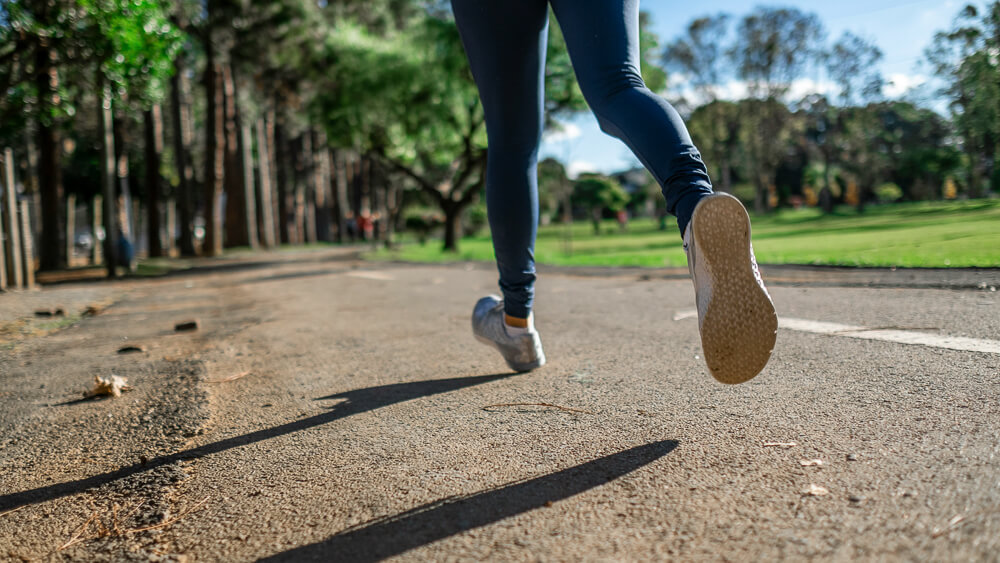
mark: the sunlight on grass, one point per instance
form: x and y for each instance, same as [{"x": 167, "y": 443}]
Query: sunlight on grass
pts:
[{"x": 936, "y": 234}]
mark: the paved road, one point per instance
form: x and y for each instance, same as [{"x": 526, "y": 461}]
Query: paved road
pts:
[{"x": 329, "y": 409}]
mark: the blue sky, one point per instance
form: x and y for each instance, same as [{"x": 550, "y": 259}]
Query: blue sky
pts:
[{"x": 901, "y": 28}]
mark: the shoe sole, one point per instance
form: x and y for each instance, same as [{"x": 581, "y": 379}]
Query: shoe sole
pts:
[
  {"x": 740, "y": 326},
  {"x": 518, "y": 368}
]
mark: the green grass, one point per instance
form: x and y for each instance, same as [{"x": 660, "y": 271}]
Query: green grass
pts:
[
  {"x": 58, "y": 324},
  {"x": 929, "y": 234}
]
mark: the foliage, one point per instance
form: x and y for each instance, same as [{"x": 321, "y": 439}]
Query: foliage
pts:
[
  {"x": 554, "y": 187},
  {"x": 888, "y": 192},
  {"x": 965, "y": 58},
  {"x": 597, "y": 194},
  {"x": 852, "y": 63},
  {"x": 927, "y": 234},
  {"x": 133, "y": 44},
  {"x": 772, "y": 47}
]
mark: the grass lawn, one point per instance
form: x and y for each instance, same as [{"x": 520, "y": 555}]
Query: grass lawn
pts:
[{"x": 927, "y": 234}]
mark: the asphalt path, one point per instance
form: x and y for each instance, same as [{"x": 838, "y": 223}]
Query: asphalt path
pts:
[{"x": 335, "y": 410}]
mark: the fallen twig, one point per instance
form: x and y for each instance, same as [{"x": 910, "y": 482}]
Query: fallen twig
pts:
[
  {"x": 12, "y": 510},
  {"x": 550, "y": 405},
  {"x": 166, "y": 523},
  {"x": 952, "y": 524},
  {"x": 233, "y": 377},
  {"x": 116, "y": 530},
  {"x": 76, "y": 536}
]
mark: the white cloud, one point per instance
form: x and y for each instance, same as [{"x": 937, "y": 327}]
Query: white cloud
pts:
[
  {"x": 899, "y": 84},
  {"x": 804, "y": 86},
  {"x": 577, "y": 167},
  {"x": 736, "y": 90},
  {"x": 565, "y": 132}
]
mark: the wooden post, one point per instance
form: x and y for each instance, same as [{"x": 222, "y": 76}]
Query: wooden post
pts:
[
  {"x": 27, "y": 247},
  {"x": 96, "y": 221},
  {"x": 3, "y": 264},
  {"x": 138, "y": 225},
  {"x": 70, "y": 227},
  {"x": 171, "y": 225},
  {"x": 11, "y": 230}
]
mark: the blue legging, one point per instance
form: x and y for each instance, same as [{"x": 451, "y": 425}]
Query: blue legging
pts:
[{"x": 505, "y": 41}]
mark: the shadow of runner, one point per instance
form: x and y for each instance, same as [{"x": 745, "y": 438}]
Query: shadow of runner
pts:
[
  {"x": 356, "y": 402},
  {"x": 386, "y": 537}
]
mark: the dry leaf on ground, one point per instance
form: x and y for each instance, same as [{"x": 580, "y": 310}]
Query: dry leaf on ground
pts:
[
  {"x": 114, "y": 386},
  {"x": 815, "y": 491}
]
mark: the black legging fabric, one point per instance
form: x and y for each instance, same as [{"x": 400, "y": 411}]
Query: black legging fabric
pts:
[{"x": 505, "y": 41}]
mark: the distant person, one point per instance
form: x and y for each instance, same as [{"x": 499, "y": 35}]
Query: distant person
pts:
[
  {"x": 505, "y": 43},
  {"x": 622, "y": 217}
]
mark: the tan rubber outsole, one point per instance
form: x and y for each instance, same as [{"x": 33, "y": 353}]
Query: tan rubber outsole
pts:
[{"x": 739, "y": 327}]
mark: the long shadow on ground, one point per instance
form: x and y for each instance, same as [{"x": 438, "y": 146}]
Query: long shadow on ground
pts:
[
  {"x": 356, "y": 402},
  {"x": 425, "y": 524}
]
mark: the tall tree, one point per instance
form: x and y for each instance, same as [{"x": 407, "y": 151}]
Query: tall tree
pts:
[
  {"x": 698, "y": 55},
  {"x": 35, "y": 39},
  {"x": 124, "y": 43},
  {"x": 852, "y": 63},
  {"x": 598, "y": 193},
  {"x": 772, "y": 49},
  {"x": 966, "y": 61}
]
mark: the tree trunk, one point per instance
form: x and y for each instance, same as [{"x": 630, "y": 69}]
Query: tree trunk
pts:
[
  {"x": 122, "y": 175},
  {"x": 266, "y": 192},
  {"x": 70, "y": 238},
  {"x": 237, "y": 227},
  {"x": 826, "y": 194},
  {"x": 124, "y": 217},
  {"x": 170, "y": 218},
  {"x": 106, "y": 134},
  {"x": 180, "y": 116},
  {"x": 321, "y": 189},
  {"x": 49, "y": 174},
  {"x": 153, "y": 126},
  {"x": 27, "y": 247},
  {"x": 306, "y": 192},
  {"x": 340, "y": 185},
  {"x": 725, "y": 176},
  {"x": 29, "y": 168},
  {"x": 249, "y": 195},
  {"x": 452, "y": 225},
  {"x": 286, "y": 193},
  {"x": 214, "y": 153},
  {"x": 392, "y": 208},
  {"x": 761, "y": 193},
  {"x": 12, "y": 227}
]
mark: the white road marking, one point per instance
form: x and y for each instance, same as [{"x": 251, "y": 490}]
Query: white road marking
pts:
[
  {"x": 370, "y": 275},
  {"x": 886, "y": 335},
  {"x": 689, "y": 314},
  {"x": 816, "y": 327}
]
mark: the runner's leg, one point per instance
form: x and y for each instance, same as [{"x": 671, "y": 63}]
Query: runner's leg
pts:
[
  {"x": 505, "y": 43},
  {"x": 603, "y": 41}
]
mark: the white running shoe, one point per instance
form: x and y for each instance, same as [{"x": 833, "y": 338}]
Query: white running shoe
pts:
[
  {"x": 523, "y": 352},
  {"x": 736, "y": 317}
]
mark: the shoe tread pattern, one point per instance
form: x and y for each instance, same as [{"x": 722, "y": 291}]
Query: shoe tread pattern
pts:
[{"x": 739, "y": 327}]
